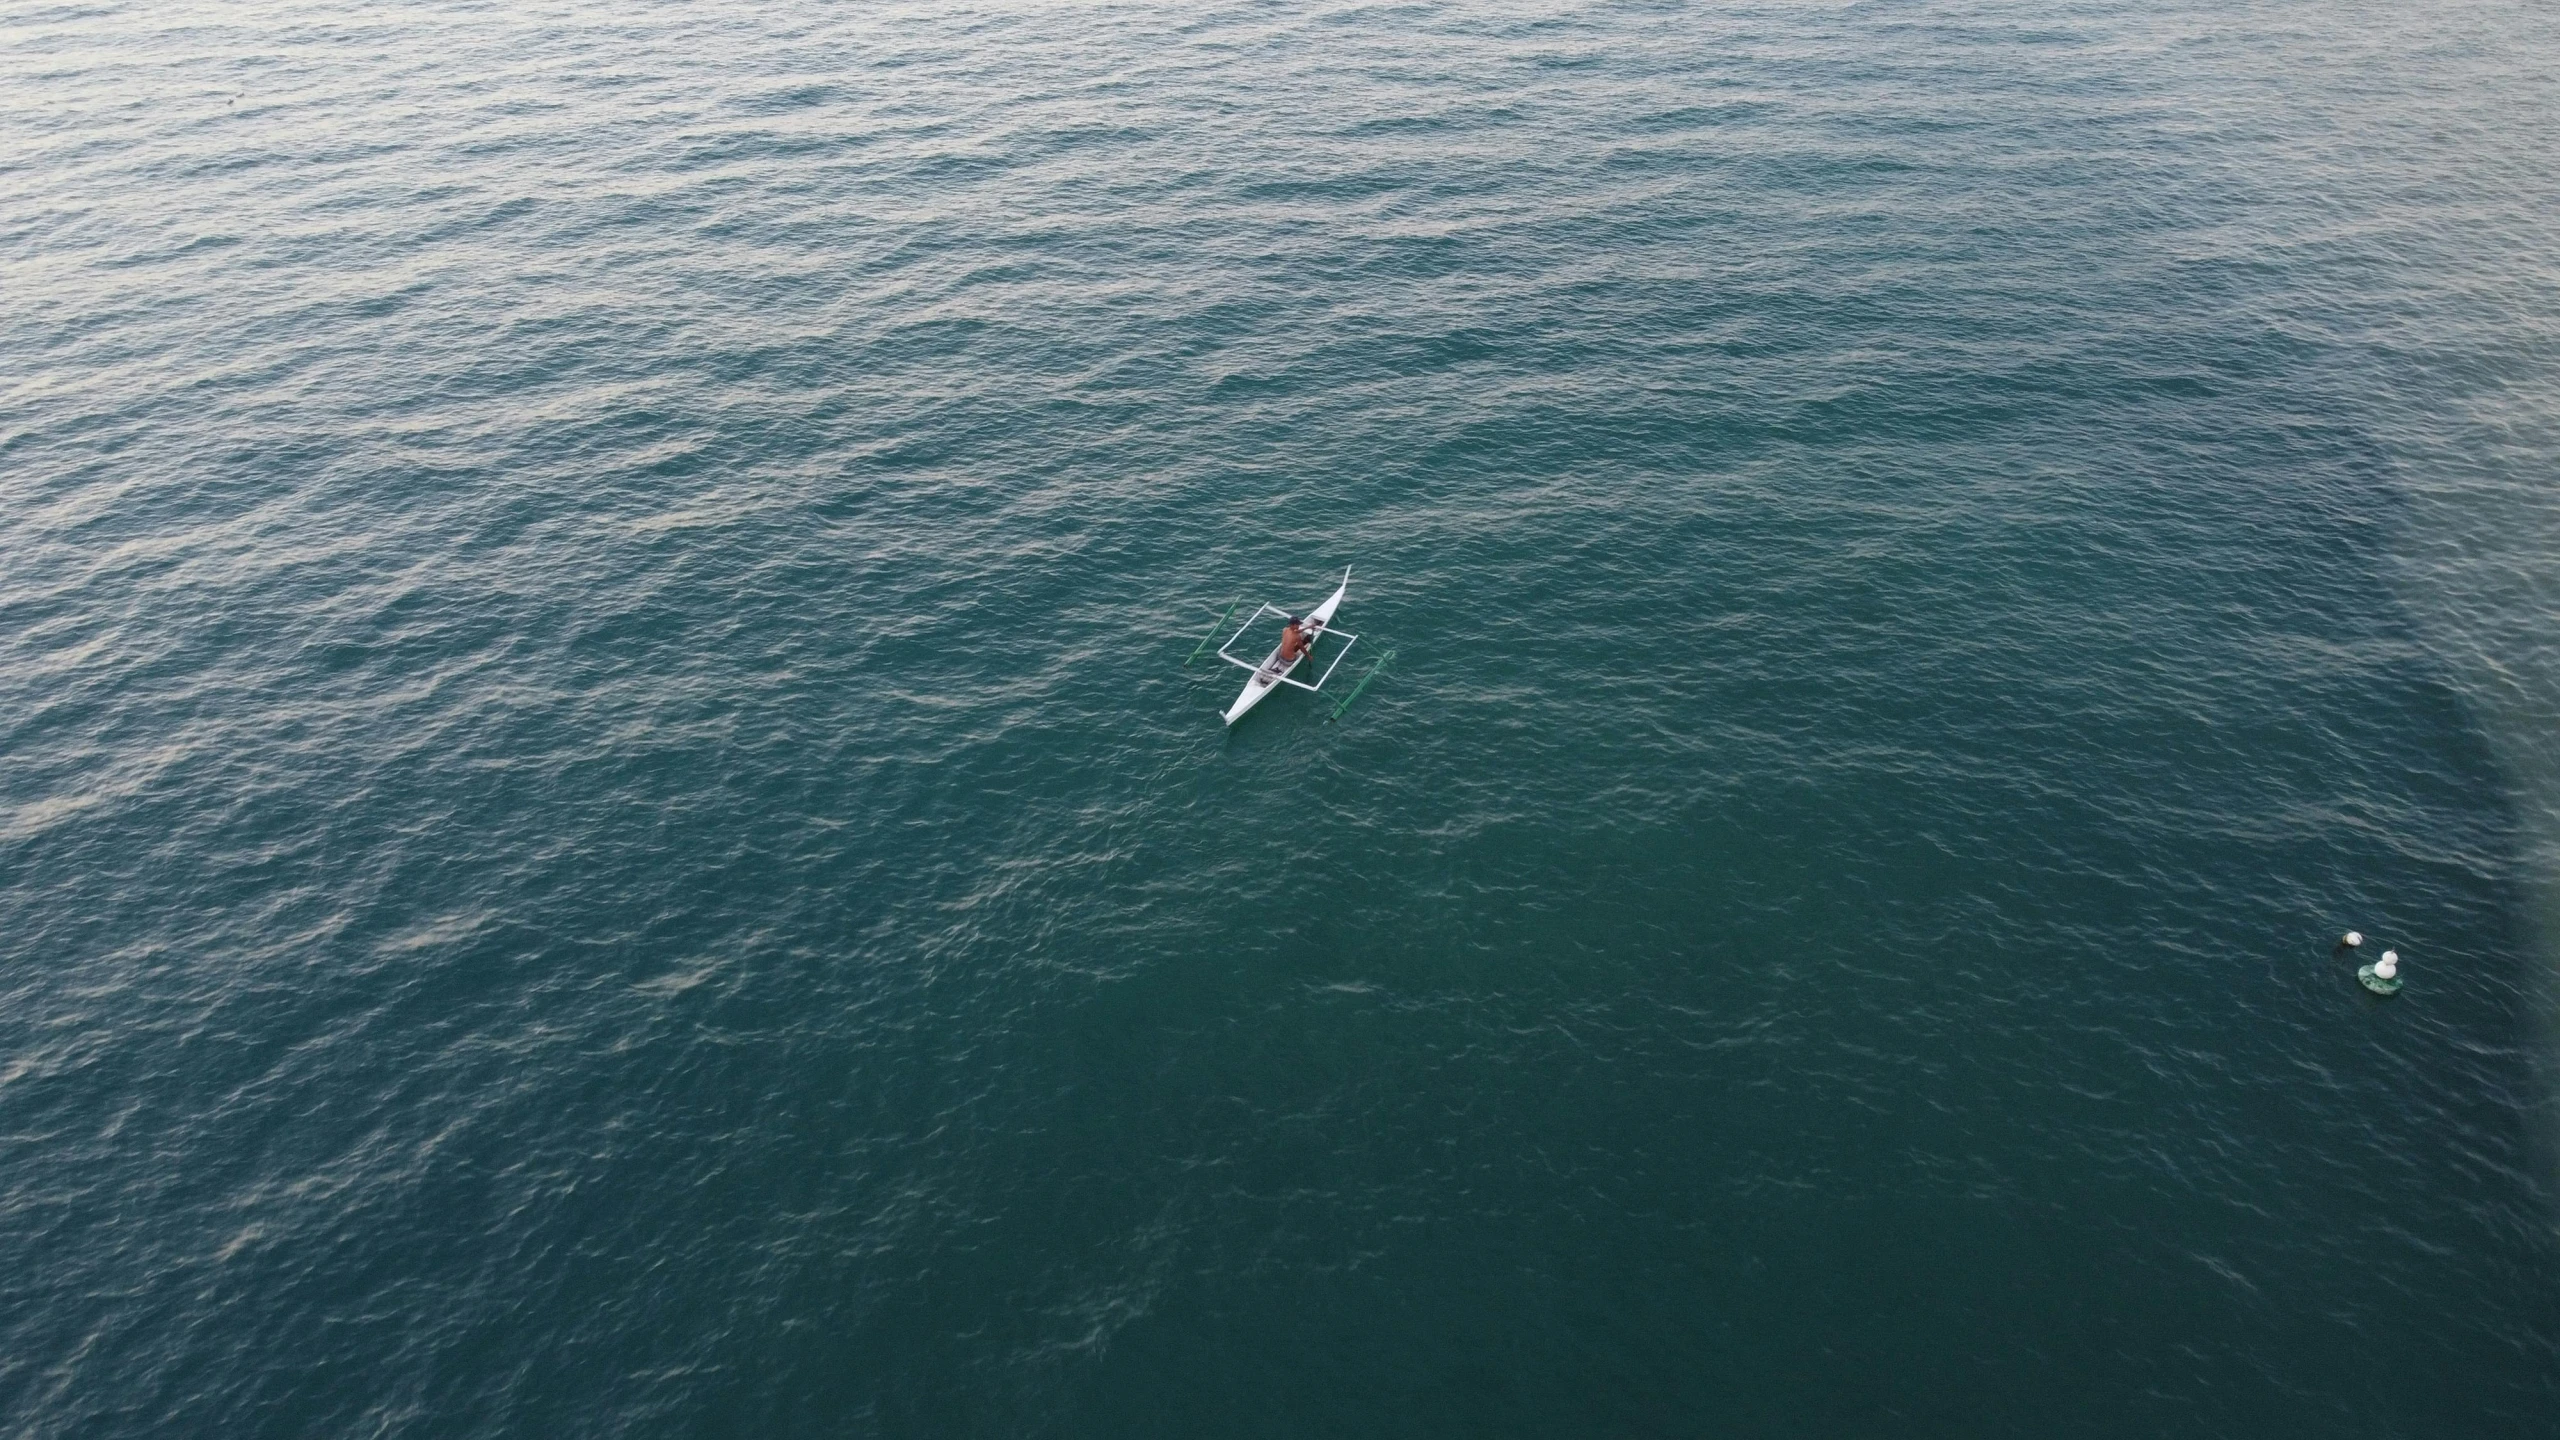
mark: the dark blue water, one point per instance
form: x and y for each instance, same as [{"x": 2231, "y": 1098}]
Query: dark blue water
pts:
[{"x": 603, "y": 830}]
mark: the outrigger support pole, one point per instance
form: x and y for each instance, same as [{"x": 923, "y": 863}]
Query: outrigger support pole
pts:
[
  {"x": 1363, "y": 685},
  {"x": 1214, "y": 632}
]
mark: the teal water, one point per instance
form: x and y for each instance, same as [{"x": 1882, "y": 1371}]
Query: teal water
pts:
[{"x": 602, "y": 830}]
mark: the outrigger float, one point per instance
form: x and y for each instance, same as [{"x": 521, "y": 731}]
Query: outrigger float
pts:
[{"x": 1272, "y": 672}]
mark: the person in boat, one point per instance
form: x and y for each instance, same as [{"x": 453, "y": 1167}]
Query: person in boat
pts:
[{"x": 1293, "y": 641}]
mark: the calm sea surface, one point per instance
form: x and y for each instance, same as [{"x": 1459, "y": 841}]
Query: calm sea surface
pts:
[{"x": 603, "y": 831}]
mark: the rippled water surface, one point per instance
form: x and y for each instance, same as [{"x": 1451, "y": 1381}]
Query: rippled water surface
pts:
[{"x": 603, "y": 830}]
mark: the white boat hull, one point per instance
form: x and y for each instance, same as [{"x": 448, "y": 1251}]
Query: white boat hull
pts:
[{"x": 1266, "y": 676}]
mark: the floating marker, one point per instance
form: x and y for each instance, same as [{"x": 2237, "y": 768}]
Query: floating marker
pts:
[
  {"x": 1214, "y": 632},
  {"x": 2383, "y": 976},
  {"x": 2350, "y": 941},
  {"x": 1363, "y": 685}
]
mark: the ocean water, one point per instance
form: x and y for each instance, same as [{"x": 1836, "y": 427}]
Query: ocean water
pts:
[{"x": 603, "y": 829}]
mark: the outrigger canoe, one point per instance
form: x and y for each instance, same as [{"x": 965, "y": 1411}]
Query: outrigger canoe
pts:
[{"x": 1273, "y": 672}]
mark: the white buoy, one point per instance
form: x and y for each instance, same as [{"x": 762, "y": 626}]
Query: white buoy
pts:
[
  {"x": 2382, "y": 977},
  {"x": 2350, "y": 940}
]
